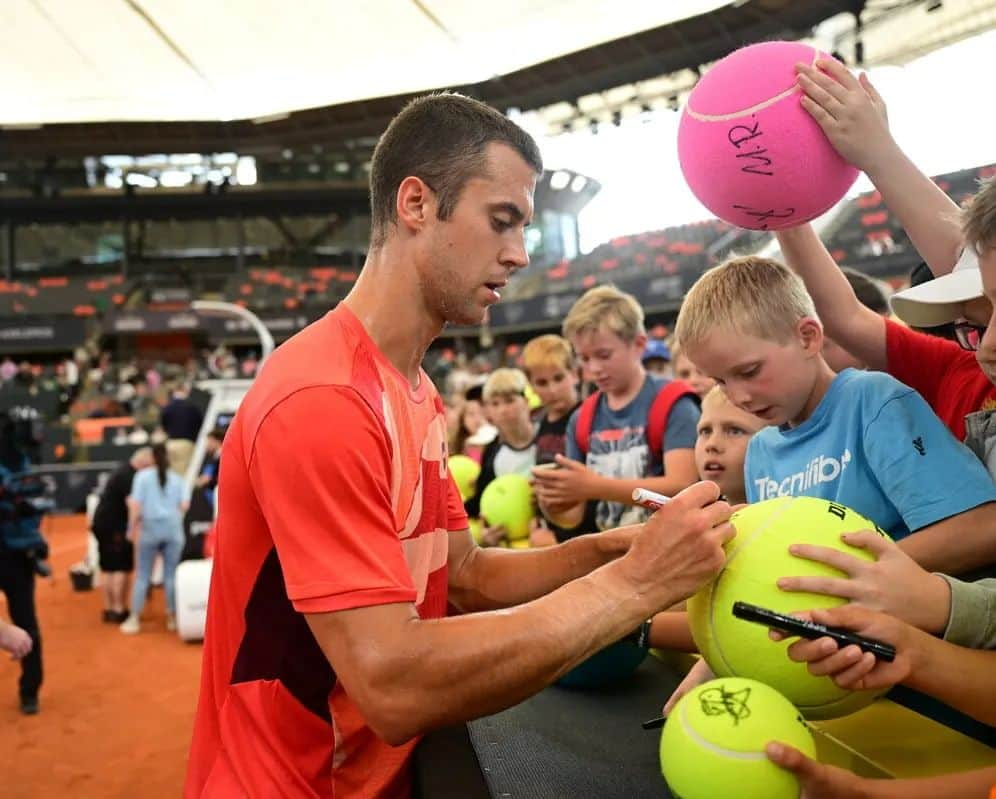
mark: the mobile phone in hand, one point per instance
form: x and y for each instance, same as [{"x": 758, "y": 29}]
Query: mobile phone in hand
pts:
[{"x": 811, "y": 630}]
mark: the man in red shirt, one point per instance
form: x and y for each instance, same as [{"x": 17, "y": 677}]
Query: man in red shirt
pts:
[{"x": 341, "y": 539}]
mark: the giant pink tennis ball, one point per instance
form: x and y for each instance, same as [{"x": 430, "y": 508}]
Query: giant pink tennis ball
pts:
[{"x": 749, "y": 150}]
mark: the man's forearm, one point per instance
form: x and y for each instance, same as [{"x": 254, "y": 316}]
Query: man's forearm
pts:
[
  {"x": 928, "y": 215},
  {"x": 485, "y": 662},
  {"x": 498, "y": 578}
]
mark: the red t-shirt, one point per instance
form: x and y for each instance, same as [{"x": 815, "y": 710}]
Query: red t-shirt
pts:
[
  {"x": 946, "y": 376},
  {"x": 334, "y": 495}
]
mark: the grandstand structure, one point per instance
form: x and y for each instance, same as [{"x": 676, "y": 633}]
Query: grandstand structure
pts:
[{"x": 111, "y": 229}]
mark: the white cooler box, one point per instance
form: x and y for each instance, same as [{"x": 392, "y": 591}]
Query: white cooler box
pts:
[{"x": 193, "y": 579}]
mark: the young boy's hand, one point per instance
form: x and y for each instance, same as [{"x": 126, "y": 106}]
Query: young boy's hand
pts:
[
  {"x": 697, "y": 674},
  {"x": 849, "y": 667},
  {"x": 850, "y": 111},
  {"x": 893, "y": 583},
  {"x": 493, "y": 535},
  {"x": 567, "y": 486},
  {"x": 14, "y": 640},
  {"x": 816, "y": 780}
]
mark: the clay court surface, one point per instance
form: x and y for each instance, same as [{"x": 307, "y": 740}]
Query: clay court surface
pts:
[{"x": 116, "y": 710}]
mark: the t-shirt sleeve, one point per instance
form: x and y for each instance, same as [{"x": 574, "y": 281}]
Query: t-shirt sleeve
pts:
[
  {"x": 140, "y": 487},
  {"x": 918, "y": 360},
  {"x": 924, "y": 471},
  {"x": 682, "y": 423},
  {"x": 456, "y": 516},
  {"x": 754, "y": 466},
  {"x": 321, "y": 469}
]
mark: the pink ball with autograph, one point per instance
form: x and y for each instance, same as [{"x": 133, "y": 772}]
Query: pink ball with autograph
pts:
[{"x": 748, "y": 149}]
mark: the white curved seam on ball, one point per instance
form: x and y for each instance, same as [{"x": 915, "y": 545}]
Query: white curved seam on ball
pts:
[
  {"x": 713, "y": 748},
  {"x": 714, "y": 639},
  {"x": 752, "y": 109}
]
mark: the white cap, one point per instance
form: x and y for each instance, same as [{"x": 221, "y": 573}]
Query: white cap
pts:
[{"x": 942, "y": 299}]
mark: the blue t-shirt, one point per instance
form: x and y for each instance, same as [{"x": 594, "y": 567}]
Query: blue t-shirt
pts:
[
  {"x": 874, "y": 445},
  {"x": 161, "y": 513},
  {"x": 618, "y": 447}
]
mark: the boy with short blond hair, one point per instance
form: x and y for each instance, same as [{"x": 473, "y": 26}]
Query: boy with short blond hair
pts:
[
  {"x": 513, "y": 450},
  {"x": 862, "y": 439},
  {"x": 638, "y": 430}
]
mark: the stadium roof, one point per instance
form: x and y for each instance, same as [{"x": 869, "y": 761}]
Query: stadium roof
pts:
[{"x": 144, "y": 76}]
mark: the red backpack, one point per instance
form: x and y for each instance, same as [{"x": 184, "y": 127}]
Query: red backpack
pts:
[{"x": 660, "y": 409}]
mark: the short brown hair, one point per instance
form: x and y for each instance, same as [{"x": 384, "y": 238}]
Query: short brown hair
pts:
[
  {"x": 751, "y": 295},
  {"x": 979, "y": 218},
  {"x": 551, "y": 350},
  {"x": 605, "y": 308},
  {"x": 441, "y": 139}
]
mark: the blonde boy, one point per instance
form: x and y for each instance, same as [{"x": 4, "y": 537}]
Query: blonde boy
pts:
[
  {"x": 862, "y": 439},
  {"x": 513, "y": 451},
  {"x": 724, "y": 431},
  {"x": 609, "y": 451}
]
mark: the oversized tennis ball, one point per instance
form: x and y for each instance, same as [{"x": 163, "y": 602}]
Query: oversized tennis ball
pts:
[
  {"x": 508, "y": 501},
  {"x": 713, "y": 742},
  {"x": 465, "y": 471},
  {"x": 756, "y": 557},
  {"x": 748, "y": 149}
]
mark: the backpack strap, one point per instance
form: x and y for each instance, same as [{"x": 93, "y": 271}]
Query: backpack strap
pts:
[
  {"x": 586, "y": 417},
  {"x": 659, "y": 412}
]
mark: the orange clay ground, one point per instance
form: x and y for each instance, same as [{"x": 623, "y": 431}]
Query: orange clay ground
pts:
[{"x": 116, "y": 710}]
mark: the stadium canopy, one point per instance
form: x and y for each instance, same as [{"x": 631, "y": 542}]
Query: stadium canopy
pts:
[{"x": 136, "y": 76}]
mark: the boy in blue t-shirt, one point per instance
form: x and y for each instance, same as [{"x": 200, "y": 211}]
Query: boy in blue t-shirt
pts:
[
  {"x": 862, "y": 439},
  {"x": 613, "y": 456}
]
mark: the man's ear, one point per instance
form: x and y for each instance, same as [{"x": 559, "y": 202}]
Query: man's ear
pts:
[
  {"x": 810, "y": 332},
  {"x": 416, "y": 203}
]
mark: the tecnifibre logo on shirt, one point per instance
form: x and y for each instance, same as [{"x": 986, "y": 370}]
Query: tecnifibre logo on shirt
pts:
[{"x": 821, "y": 469}]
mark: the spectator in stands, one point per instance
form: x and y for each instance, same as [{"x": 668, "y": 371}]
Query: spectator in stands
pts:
[
  {"x": 110, "y": 527},
  {"x": 143, "y": 408},
  {"x": 207, "y": 480},
  {"x": 23, "y": 551},
  {"x": 549, "y": 363},
  {"x": 474, "y": 431},
  {"x": 630, "y": 439},
  {"x": 513, "y": 450},
  {"x": 181, "y": 419},
  {"x": 657, "y": 358},
  {"x": 872, "y": 295},
  {"x": 688, "y": 372},
  {"x": 156, "y": 506},
  {"x": 956, "y": 381},
  {"x": 751, "y": 324},
  {"x": 7, "y": 369}
]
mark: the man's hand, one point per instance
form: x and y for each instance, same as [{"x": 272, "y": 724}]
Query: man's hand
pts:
[
  {"x": 565, "y": 487},
  {"x": 893, "y": 584},
  {"x": 816, "y": 780},
  {"x": 849, "y": 667},
  {"x": 14, "y": 640},
  {"x": 850, "y": 111},
  {"x": 680, "y": 547},
  {"x": 697, "y": 674}
]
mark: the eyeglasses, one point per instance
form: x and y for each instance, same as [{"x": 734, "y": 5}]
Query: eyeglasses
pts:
[{"x": 968, "y": 335}]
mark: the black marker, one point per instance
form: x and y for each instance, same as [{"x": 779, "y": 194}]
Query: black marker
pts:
[
  {"x": 812, "y": 630},
  {"x": 654, "y": 724}
]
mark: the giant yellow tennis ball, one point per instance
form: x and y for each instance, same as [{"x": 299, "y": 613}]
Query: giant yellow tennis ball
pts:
[
  {"x": 508, "y": 501},
  {"x": 756, "y": 557},
  {"x": 465, "y": 471},
  {"x": 713, "y": 743}
]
